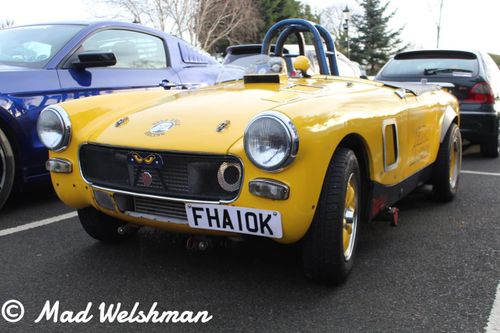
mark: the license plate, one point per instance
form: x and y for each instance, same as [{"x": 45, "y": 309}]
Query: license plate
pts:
[{"x": 265, "y": 223}]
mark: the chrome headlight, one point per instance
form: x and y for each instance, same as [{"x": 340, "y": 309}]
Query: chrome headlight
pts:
[
  {"x": 54, "y": 128},
  {"x": 271, "y": 141}
]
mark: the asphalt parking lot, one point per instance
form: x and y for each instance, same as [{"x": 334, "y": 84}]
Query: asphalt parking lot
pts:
[{"x": 437, "y": 272}]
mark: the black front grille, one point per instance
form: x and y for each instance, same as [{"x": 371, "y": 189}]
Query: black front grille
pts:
[
  {"x": 163, "y": 208},
  {"x": 175, "y": 175}
]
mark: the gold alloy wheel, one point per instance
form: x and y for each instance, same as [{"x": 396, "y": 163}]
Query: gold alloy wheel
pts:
[
  {"x": 350, "y": 222},
  {"x": 455, "y": 160}
]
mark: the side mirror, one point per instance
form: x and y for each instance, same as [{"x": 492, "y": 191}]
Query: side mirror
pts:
[
  {"x": 94, "y": 59},
  {"x": 364, "y": 77}
]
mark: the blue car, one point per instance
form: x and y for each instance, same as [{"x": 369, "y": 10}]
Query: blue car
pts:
[{"x": 50, "y": 63}]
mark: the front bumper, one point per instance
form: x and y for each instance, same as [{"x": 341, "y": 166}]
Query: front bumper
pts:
[{"x": 296, "y": 211}]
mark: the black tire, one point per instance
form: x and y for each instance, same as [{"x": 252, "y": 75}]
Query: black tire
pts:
[
  {"x": 7, "y": 168},
  {"x": 490, "y": 149},
  {"x": 324, "y": 257},
  {"x": 446, "y": 175},
  {"x": 101, "y": 226}
]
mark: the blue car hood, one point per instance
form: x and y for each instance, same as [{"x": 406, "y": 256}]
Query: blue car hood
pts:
[{"x": 19, "y": 80}]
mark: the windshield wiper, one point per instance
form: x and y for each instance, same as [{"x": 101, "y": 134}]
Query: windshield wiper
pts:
[{"x": 434, "y": 71}]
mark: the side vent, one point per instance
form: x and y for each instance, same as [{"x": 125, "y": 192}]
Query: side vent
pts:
[{"x": 391, "y": 146}]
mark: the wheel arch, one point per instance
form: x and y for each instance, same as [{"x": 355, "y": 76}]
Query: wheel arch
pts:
[
  {"x": 360, "y": 147},
  {"x": 358, "y": 144},
  {"x": 6, "y": 127},
  {"x": 449, "y": 117}
]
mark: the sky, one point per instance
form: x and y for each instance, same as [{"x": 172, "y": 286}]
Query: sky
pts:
[{"x": 465, "y": 23}]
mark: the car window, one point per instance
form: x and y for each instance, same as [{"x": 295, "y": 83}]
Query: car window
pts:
[
  {"x": 345, "y": 69},
  {"x": 34, "y": 46},
  {"x": 131, "y": 49},
  {"x": 192, "y": 55},
  {"x": 432, "y": 64}
]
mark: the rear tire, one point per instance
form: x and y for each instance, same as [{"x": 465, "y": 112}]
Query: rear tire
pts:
[
  {"x": 7, "y": 168},
  {"x": 490, "y": 149},
  {"x": 102, "y": 227},
  {"x": 446, "y": 172},
  {"x": 329, "y": 246}
]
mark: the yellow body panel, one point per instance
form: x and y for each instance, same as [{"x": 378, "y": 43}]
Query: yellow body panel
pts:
[{"x": 324, "y": 110}]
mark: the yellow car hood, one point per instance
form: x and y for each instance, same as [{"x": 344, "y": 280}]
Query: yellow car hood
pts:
[
  {"x": 127, "y": 120},
  {"x": 196, "y": 114}
]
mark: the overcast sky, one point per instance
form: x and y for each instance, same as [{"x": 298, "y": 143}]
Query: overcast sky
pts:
[{"x": 465, "y": 23}]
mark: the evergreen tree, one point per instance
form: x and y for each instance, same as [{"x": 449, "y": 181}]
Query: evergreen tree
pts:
[
  {"x": 374, "y": 42},
  {"x": 272, "y": 11}
]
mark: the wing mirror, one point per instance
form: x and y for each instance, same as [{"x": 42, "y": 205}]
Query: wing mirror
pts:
[{"x": 94, "y": 59}]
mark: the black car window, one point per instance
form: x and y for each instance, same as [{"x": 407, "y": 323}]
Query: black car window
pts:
[
  {"x": 34, "y": 46},
  {"x": 132, "y": 49},
  {"x": 432, "y": 64}
]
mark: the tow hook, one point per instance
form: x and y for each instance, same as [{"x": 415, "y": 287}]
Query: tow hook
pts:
[
  {"x": 390, "y": 214},
  {"x": 196, "y": 243},
  {"x": 126, "y": 229},
  {"x": 199, "y": 244}
]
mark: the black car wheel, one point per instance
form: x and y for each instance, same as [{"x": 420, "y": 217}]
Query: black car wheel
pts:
[
  {"x": 446, "y": 172},
  {"x": 7, "y": 168},
  {"x": 329, "y": 246},
  {"x": 101, "y": 226}
]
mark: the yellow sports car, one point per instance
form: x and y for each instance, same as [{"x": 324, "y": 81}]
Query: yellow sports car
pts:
[{"x": 303, "y": 158}]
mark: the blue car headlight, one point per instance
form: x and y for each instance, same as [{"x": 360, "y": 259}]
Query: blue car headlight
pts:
[
  {"x": 54, "y": 128},
  {"x": 271, "y": 141}
]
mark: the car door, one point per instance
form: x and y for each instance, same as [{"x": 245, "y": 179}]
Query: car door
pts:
[
  {"x": 141, "y": 62},
  {"x": 423, "y": 132}
]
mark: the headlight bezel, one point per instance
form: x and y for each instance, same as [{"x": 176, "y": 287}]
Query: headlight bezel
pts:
[
  {"x": 292, "y": 138},
  {"x": 65, "y": 124}
]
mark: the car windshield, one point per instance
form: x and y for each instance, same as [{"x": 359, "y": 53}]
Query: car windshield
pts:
[
  {"x": 259, "y": 64},
  {"x": 34, "y": 46},
  {"x": 431, "y": 67}
]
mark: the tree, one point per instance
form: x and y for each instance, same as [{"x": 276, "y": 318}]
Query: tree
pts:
[
  {"x": 6, "y": 24},
  {"x": 374, "y": 42},
  {"x": 220, "y": 21},
  {"x": 496, "y": 58},
  {"x": 272, "y": 11},
  {"x": 203, "y": 23},
  {"x": 333, "y": 19}
]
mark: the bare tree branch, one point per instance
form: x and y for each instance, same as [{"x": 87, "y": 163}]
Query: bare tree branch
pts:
[
  {"x": 203, "y": 23},
  {"x": 6, "y": 24}
]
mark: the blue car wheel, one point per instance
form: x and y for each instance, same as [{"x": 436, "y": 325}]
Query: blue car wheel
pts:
[{"x": 7, "y": 168}]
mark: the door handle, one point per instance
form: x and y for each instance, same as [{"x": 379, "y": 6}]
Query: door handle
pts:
[{"x": 167, "y": 85}]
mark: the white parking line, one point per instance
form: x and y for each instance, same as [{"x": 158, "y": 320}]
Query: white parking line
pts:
[
  {"x": 481, "y": 173},
  {"x": 37, "y": 224},
  {"x": 494, "y": 320}
]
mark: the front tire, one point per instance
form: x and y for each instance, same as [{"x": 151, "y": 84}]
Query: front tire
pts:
[
  {"x": 448, "y": 164},
  {"x": 100, "y": 226},
  {"x": 329, "y": 246},
  {"x": 7, "y": 168}
]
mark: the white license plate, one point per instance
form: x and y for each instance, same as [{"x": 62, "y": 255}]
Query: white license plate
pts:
[{"x": 266, "y": 223}]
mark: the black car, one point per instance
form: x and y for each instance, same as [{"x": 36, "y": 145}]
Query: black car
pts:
[{"x": 474, "y": 79}]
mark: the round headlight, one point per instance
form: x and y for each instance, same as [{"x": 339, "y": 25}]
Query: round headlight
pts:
[
  {"x": 54, "y": 128},
  {"x": 271, "y": 141}
]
